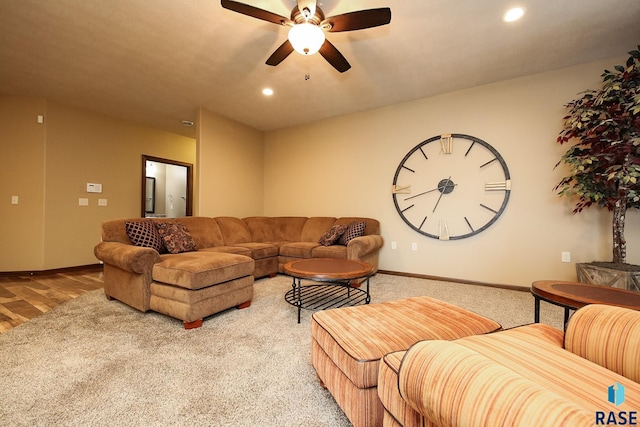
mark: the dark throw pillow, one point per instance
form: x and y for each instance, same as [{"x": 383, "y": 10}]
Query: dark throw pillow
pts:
[
  {"x": 331, "y": 237},
  {"x": 144, "y": 234},
  {"x": 355, "y": 229},
  {"x": 176, "y": 237}
]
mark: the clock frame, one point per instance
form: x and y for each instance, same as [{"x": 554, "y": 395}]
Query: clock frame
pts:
[{"x": 451, "y": 186}]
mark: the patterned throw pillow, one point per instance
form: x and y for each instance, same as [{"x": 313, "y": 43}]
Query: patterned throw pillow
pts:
[
  {"x": 176, "y": 237},
  {"x": 144, "y": 233},
  {"x": 355, "y": 229},
  {"x": 332, "y": 236}
]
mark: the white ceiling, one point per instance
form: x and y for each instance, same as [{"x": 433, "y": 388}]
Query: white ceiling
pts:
[{"x": 157, "y": 61}]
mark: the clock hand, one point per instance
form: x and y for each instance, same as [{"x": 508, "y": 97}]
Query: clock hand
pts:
[
  {"x": 424, "y": 192},
  {"x": 446, "y": 184}
]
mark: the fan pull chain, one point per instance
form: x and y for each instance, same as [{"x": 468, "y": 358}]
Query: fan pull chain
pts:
[{"x": 307, "y": 74}]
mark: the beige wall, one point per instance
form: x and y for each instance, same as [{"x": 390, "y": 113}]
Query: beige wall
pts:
[
  {"x": 231, "y": 167},
  {"x": 76, "y": 147},
  {"x": 22, "y": 143},
  {"x": 345, "y": 166},
  {"x": 337, "y": 167}
]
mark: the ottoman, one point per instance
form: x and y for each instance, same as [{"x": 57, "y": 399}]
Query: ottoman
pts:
[
  {"x": 191, "y": 286},
  {"x": 347, "y": 345}
]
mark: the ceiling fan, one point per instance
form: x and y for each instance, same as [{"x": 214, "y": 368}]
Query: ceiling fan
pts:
[{"x": 308, "y": 25}]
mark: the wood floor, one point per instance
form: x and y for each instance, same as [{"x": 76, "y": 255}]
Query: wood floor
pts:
[{"x": 23, "y": 297}]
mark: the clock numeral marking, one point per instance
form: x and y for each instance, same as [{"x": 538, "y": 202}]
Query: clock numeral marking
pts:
[
  {"x": 407, "y": 208},
  {"x": 424, "y": 154},
  {"x": 422, "y": 223},
  {"x": 401, "y": 189},
  {"x": 443, "y": 231},
  {"x": 409, "y": 169},
  {"x": 486, "y": 207},
  {"x": 489, "y": 162},
  {"x": 498, "y": 186},
  {"x": 469, "y": 224},
  {"x": 446, "y": 143}
]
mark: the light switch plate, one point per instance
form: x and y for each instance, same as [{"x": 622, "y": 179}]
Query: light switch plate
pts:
[
  {"x": 102, "y": 202},
  {"x": 94, "y": 188},
  {"x": 83, "y": 201},
  {"x": 14, "y": 200}
]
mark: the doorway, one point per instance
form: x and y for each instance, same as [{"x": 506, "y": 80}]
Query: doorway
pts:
[{"x": 167, "y": 188}]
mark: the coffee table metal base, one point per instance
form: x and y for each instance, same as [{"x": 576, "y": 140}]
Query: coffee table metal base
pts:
[{"x": 324, "y": 295}]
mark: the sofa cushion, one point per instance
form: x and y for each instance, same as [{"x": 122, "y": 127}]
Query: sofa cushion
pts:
[
  {"x": 144, "y": 234},
  {"x": 234, "y": 230},
  {"x": 333, "y": 251},
  {"x": 298, "y": 249},
  {"x": 205, "y": 231},
  {"x": 355, "y": 338},
  {"x": 196, "y": 270},
  {"x": 332, "y": 235},
  {"x": 176, "y": 237},
  {"x": 260, "y": 250},
  {"x": 355, "y": 229},
  {"x": 315, "y": 227},
  {"x": 273, "y": 229},
  {"x": 228, "y": 250}
]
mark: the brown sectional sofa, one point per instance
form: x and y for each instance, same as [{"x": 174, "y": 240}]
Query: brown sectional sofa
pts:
[{"x": 231, "y": 252}]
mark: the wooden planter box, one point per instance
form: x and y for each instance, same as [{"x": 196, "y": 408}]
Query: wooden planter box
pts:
[{"x": 607, "y": 274}]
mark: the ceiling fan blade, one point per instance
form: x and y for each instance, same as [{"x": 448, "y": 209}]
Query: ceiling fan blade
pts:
[
  {"x": 255, "y": 12},
  {"x": 358, "y": 20},
  {"x": 308, "y": 4},
  {"x": 334, "y": 57},
  {"x": 280, "y": 54}
]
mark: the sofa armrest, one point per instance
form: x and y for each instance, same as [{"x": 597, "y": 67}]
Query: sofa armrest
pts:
[
  {"x": 606, "y": 335},
  {"x": 134, "y": 259},
  {"x": 362, "y": 246},
  {"x": 453, "y": 385}
]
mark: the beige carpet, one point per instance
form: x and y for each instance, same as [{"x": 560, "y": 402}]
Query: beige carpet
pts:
[{"x": 96, "y": 362}]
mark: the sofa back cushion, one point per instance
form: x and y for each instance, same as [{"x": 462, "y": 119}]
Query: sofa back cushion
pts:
[
  {"x": 234, "y": 230},
  {"x": 204, "y": 231},
  {"x": 315, "y": 227},
  {"x": 275, "y": 229},
  {"x": 373, "y": 225}
]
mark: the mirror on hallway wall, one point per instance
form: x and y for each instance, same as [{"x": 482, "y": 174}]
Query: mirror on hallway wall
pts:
[{"x": 167, "y": 188}]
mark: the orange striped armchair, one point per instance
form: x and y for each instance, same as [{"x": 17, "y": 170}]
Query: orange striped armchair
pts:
[{"x": 532, "y": 375}]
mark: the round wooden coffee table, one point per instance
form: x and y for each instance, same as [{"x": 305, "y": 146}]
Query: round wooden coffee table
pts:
[
  {"x": 331, "y": 283},
  {"x": 573, "y": 295}
]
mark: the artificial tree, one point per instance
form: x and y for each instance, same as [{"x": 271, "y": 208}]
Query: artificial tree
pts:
[{"x": 604, "y": 160}]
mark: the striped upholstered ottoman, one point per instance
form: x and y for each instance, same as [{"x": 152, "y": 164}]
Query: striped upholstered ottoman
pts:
[{"x": 348, "y": 343}]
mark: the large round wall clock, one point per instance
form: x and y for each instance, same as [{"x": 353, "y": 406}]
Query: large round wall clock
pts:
[{"x": 451, "y": 186}]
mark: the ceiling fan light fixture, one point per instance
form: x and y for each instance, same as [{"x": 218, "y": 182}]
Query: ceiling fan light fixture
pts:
[
  {"x": 306, "y": 38},
  {"x": 514, "y": 14}
]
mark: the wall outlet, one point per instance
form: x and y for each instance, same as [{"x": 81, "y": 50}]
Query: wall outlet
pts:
[
  {"x": 14, "y": 200},
  {"x": 414, "y": 246},
  {"x": 566, "y": 256},
  {"x": 394, "y": 245}
]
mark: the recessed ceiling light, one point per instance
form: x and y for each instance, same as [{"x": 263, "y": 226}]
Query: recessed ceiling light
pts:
[
  {"x": 513, "y": 14},
  {"x": 267, "y": 91}
]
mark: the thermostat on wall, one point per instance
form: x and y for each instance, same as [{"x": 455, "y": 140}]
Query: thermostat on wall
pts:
[{"x": 94, "y": 188}]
